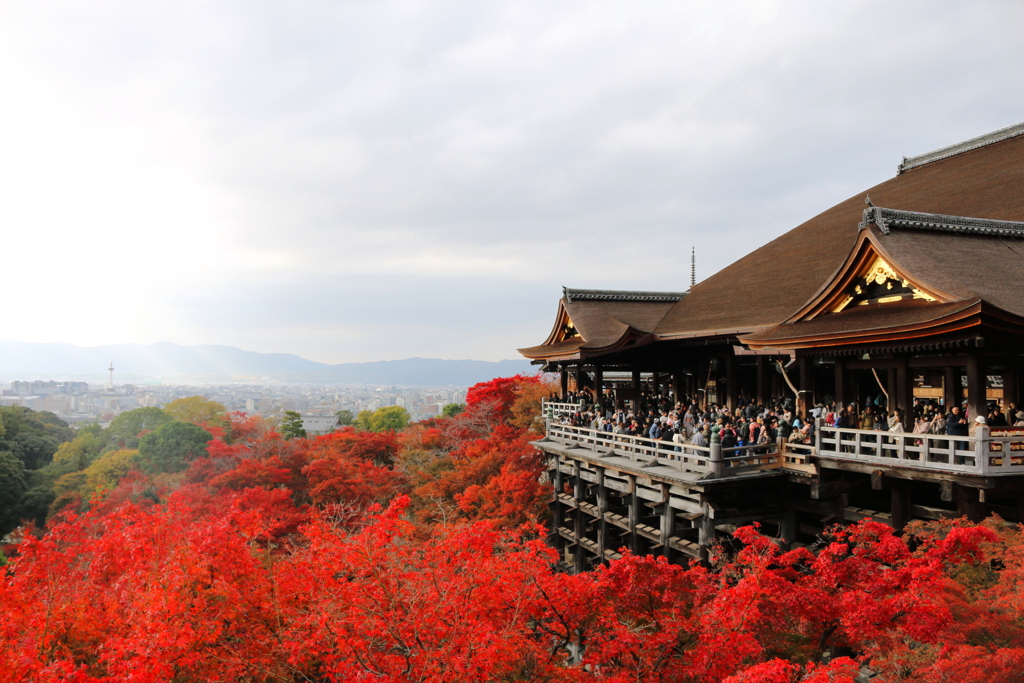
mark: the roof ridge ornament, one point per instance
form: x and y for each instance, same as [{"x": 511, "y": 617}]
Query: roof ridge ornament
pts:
[
  {"x": 620, "y": 295},
  {"x": 961, "y": 147},
  {"x": 886, "y": 219}
]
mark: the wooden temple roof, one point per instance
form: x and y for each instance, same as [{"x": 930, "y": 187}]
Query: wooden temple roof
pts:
[{"x": 949, "y": 233}]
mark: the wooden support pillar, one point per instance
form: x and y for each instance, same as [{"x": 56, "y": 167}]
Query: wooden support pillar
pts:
[
  {"x": 853, "y": 393},
  {"x": 667, "y": 526},
  {"x": 889, "y": 376},
  {"x": 636, "y": 391},
  {"x": 803, "y": 385},
  {"x": 558, "y": 512},
  {"x": 840, "y": 394},
  {"x": 789, "y": 525},
  {"x": 705, "y": 532},
  {"x": 602, "y": 506},
  {"x": 976, "y": 401},
  {"x": 905, "y": 392},
  {"x": 677, "y": 386},
  {"x": 776, "y": 384},
  {"x": 730, "y": 382},
  {"x": 633, "y": 514},
  {"x": 599, "y": 386},
  {"x": 946, "y": 490},
  {"x": 563, "y": 376},
  {"x": 759, "y": 391},
  {"x": 968, "y": 503},
  {"x": 902, "y": 505},
  {"x": 951, "y": 388},
  {"x": 579, "y": 526},
  {"x": 1010, "y": 391}
]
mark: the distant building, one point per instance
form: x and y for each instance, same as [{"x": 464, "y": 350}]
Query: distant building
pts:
[{"x": 319, "y": 424}]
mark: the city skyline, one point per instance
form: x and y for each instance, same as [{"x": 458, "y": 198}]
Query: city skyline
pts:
[{"x": 355, "y": 183}]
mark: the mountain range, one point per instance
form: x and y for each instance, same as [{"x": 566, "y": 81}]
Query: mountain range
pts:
[{"x": 168, "y": 361}]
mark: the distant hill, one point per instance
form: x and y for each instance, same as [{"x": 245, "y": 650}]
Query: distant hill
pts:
[{"x": 164, "y": 360}]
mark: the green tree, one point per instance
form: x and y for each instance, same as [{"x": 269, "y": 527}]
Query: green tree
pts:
[
  {"x": 34, "y": 449},
  {"x": 196, "y": 409},
  {"x": 345, "y": 418},
  {"x": 106, "y": 472},
  {"x": 35, "y": 504},
  {"x": 12, "y": 487},
  {"x": 388, "y": 419},
  {"x": 124, "y": 430},
  {"x": 80, "y": 451},
  {"x": 32, "y": 437},
  {"x": 172, "y": 446},
  {"x": 291, "y": 426},
  {"x": 362, "y": 421},
  {"x": 452, "y": 409}
]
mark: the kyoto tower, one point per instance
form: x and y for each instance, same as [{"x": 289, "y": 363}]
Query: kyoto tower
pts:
[{"x": 111, "y": 369}]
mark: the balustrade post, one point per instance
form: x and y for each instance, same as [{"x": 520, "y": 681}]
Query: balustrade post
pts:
[
  {"x": 716, "y": 459},
  {"x": 981, "y": 449}
]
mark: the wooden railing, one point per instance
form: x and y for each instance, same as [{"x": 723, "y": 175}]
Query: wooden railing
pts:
[
  {"x": 645, "y": 452},
  {"x": 703, "y": 460},
  {"x": 980, "y": 454},
  {"x": 557, "y": 410}
]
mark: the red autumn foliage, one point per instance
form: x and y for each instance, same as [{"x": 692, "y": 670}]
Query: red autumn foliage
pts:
[{"x": 302, "y": 560}]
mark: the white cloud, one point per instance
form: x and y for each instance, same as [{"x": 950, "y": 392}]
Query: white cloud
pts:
[{"x": 351, "y": 181}]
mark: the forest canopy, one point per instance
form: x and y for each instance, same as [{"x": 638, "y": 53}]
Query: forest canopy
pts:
[{"x": 165, "y": 549}]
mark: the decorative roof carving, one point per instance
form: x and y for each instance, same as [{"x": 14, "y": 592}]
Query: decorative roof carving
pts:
[
  {"x": 961, "y": 147},
  {"x": 617, "y": 295},
  {"x": 880, "y": 283},
  {"x": 886, "y": 219}
]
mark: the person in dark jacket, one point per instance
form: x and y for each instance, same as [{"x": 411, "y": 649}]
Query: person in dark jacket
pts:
[{"x": 956, "y": 425}]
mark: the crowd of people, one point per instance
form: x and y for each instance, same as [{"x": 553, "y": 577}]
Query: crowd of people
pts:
[
  {"x": 657, "y": 417},
  {"x": 685, "y": 422}
]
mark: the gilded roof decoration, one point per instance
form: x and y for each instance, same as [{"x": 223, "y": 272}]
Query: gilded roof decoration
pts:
[{"x": 879, "y": 283}]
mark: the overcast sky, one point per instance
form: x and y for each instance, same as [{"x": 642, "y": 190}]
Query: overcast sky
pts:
[{"x": 355, "y": 181}]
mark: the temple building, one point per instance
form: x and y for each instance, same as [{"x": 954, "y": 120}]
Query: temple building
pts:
[{"x": 912, "y": 289}]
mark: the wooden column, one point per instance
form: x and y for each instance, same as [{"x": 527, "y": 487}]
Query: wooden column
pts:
[
  {"x": 976, "y": 402},
  {"x": 905, "y": 392},
  {"x": 840, "y": 370},
  {"x": 705, "y": 531},
  {"x": 558, "y": 511},
  {"x": 951, "y": 388},
  {"x": 579, "y": 526},
  {"x": 676, "y": 386},
  {"x": 563, "y": 376},
  {"x": 730, "y": 382},
  {"x": 602, "y": 506},
  {"x": 889, "y": 376},
  {"x": 1010, "y": 391},
  {"x": 759, "y": 392},
  {"x": 788, "y": 525},
  {"x": 633, "y": 514},
  {"x": 901, "y": 503},
  {"x": 598, "y": 387},
  {"x": 636, "y": 391},
  {"x": 803, "y": 385},
  {"x": 968, "y": 502},
  {"x": 666, "y": 520}
]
